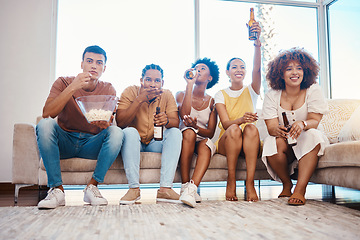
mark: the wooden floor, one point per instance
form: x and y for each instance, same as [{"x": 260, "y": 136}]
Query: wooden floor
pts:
[{"x": 209, "y": 191}]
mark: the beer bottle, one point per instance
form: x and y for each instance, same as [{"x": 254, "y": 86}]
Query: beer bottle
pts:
[
  {"x": 158, "y": 130},
  {"x": 191, "y": 74},
  {"x": 252, "y": 35},
  {"x": 291, "y": 141}
]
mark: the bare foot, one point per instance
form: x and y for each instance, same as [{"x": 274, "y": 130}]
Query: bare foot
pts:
[
  {"x": 251, "y": 195},
  {"x": 231, "y": 191},
  {"x": 286, "y": 192}
]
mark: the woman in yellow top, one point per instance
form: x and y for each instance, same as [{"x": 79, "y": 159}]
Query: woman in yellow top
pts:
[{"x": 236, "y": 108}]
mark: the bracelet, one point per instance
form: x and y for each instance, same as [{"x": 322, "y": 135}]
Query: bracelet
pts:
[
  {"x": 167, "y": 122},
  {"x": 257, "y": 45},
  {"x": 305, "y": 123}
]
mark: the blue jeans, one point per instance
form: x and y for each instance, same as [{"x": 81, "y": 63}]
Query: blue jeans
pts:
[
  {"x": 55, "y": 144},
  {"x": 170, "y": 147}
]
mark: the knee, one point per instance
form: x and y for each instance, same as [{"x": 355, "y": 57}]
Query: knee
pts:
[
  {"x": 131, "y": 133},
  {"x": 189, "y": 136},
  {"x": 234, "y": 131},
  {"x": 115, "y": 133},
  {"x": 45, "y": 126},
  {"x": 251, "y": 130},
  {"x": 173, "y": 133},
  {"x": 281, "y": 145}
]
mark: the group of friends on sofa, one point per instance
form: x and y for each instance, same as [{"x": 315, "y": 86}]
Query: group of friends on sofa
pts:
[{"x": 189, "y": 121}]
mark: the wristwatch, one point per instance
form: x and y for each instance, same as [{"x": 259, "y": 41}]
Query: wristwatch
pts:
[{"x": 305, "y": 123}]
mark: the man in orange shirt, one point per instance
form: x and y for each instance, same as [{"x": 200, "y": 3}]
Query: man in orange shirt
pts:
[{"x": 136, "y": 113}]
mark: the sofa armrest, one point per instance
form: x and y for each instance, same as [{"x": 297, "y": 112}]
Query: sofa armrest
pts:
[{"x": 26, "y": 155}]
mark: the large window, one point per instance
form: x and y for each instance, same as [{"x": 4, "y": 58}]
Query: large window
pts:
[
  {"x": 344, "y": 39},
  {"x": 223, "y": 33},
  {"x": 133, "y": 33},
  {"x": 139, "y": 32}
]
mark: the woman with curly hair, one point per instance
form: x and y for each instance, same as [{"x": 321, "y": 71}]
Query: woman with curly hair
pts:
[
  {"x": 236, "y": 106},
  {"x": 292, "y": 77},
  {"x": 198, "y": 122}
]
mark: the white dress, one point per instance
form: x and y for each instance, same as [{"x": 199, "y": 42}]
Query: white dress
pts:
[{"x": 309, "y": 139}]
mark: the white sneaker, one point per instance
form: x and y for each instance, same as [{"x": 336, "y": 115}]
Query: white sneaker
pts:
[
  {"x": 93, "y": 196},
  {"x": 54, "y": 199},
  {"x": 183, "y": 186},
  {"x": 188, "y": 195},
  {"x": 198, "y": 198}
]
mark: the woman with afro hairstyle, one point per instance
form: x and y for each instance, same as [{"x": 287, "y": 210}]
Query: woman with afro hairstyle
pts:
[
  {"x": 292, "y": 78},
  {"x": 198, "y": 122},
  {"x": 236, "y": 107}
]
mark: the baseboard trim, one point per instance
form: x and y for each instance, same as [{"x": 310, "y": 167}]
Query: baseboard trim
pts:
[{"x": 7, "y": 186}]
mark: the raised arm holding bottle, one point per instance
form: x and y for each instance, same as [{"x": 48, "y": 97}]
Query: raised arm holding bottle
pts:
[{"x": 236, "y": 106}]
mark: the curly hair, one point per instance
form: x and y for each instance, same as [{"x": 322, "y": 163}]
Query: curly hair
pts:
[
  {"x": 277, "y": 66},
  {"x": 214, "y": 70}
]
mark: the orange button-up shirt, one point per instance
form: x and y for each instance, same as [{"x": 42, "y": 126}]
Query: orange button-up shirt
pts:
[{"x": 144, "y": 119}]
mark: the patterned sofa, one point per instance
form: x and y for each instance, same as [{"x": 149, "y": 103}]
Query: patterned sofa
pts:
[{"x": 340, "y": 166}]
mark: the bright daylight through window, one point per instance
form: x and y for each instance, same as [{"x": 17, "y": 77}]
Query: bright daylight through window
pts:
[
  {"x": 133, "y": 33},
  {"x": 136, "y": 33},
  {"x": 344, "y": 20}
]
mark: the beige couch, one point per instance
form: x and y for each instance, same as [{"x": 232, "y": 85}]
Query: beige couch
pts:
[{"x": 339, "y": 166}]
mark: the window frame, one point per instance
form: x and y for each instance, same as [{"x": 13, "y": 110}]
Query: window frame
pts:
[{"x": 322, "y": 25}]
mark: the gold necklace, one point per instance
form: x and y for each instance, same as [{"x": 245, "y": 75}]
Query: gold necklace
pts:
[{"x": 202, "y": 100}]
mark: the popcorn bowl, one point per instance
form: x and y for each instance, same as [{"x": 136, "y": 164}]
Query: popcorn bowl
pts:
[{"x": 97, "y": 107}]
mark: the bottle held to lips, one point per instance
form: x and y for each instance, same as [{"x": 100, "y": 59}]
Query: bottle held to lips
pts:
[
  {"x": 158, "y": 130},
  {"x": 291, "y": 141},
  {"x": 190, "y": 74},
  {"x": 252, "y": 34}
]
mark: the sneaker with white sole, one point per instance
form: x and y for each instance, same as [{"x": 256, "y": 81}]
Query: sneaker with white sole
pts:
[
  {"x": 188, "y": 195},
  {"x": 198, "y": 198},
  {"x": 132, "y": 195},
  {"x": 183, "y": 186},
  {"x": 168, "y": 196},
  {"x": 93, "y": 196},
  {"x": 54, "y": 199}
]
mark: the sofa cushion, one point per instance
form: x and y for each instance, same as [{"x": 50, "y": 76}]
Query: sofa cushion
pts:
[
  {"x": 344, "y": 154},
  {"x": 148, "y": 160},
  {"x": 219, "y": 161},
  {"x": 340, "y": 111},
  {"x": 351, "y": 129}
]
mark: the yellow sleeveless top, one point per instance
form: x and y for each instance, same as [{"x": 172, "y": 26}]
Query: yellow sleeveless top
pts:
[{"x": 236, "y": 108}]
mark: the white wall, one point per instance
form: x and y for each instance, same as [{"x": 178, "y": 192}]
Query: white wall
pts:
[{"x": 27, "y": 65}]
